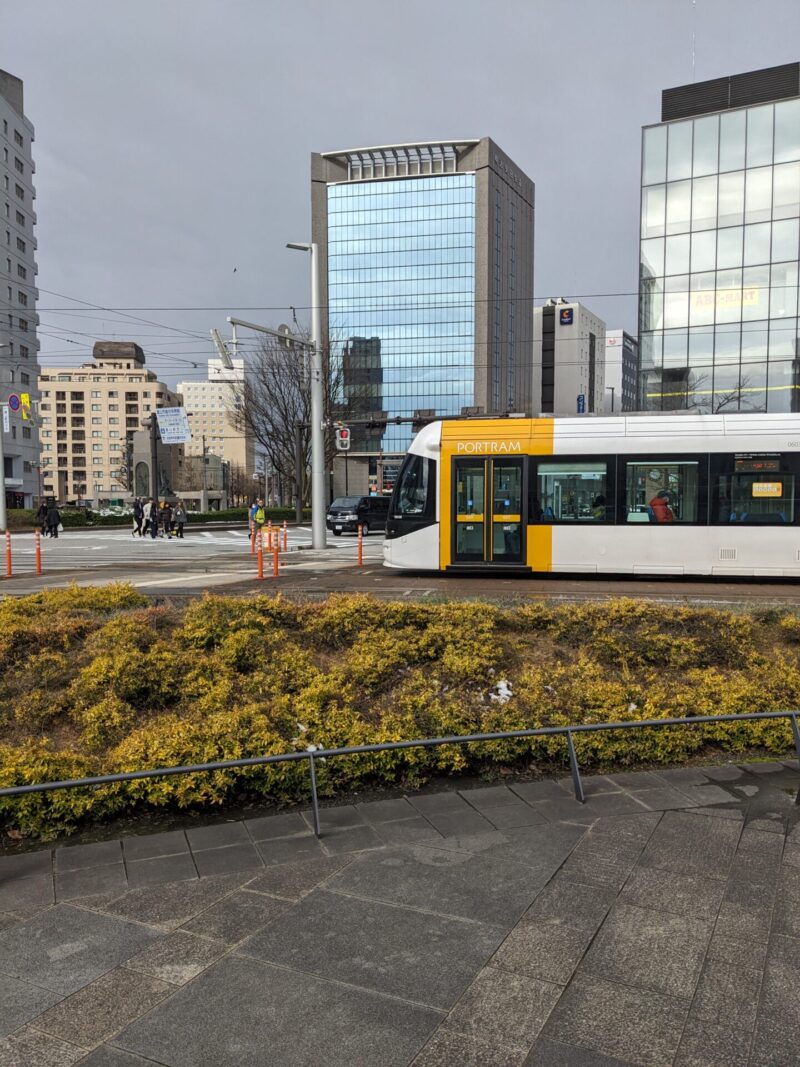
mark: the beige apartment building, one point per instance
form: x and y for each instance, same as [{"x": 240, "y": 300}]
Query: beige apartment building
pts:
[
  {"x": 211, "y": 409},
  {"x": 88, "y": 416}
]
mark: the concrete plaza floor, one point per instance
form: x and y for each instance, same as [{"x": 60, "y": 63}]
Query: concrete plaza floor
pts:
[{"x": 657, "y": 924}]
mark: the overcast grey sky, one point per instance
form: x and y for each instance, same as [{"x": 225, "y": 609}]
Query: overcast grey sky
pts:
[{"x": 173, "y": 136}]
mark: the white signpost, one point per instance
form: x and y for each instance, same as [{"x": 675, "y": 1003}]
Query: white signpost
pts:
[{"x": 173, "y": 426}]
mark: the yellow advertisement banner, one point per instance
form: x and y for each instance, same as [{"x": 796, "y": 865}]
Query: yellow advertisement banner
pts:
[{"x": 725, "y": 298}]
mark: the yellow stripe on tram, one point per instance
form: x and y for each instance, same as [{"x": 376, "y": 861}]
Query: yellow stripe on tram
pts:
[{"x": 493, "y": 439}]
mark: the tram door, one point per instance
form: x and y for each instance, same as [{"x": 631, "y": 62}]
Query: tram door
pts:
[{"x": 488, "y": 526}]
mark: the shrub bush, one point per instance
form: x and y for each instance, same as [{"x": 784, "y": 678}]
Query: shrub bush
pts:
[{"x": 123, "y": 685}]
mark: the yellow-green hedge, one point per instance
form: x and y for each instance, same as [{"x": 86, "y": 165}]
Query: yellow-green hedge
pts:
[{"x": 99, "y": 680}]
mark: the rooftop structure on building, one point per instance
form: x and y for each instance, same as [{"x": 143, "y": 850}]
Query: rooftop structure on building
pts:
[
  {"x": 426, "y": 272},
  {"x": 19, "y": 346},
  {"x": 720, "y": 246}
]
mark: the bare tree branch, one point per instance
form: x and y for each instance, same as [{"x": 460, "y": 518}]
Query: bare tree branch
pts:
[{"x": 274, "y": 399}]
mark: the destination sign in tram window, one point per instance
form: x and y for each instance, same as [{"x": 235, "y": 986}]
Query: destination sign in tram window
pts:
[{"x": 757, "y": 499}]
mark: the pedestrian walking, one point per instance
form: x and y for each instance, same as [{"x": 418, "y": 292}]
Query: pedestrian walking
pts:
[
  {"x": 179, "y": 516},
  {"x": 53, "y": 520},
  {"x": 138, "y": 518},
  {"x": 41, "y": 518},
  {"x": 147, "y": 514},
  {"x": 166, "y": 518},
  {"x": 257, "y": 515}
]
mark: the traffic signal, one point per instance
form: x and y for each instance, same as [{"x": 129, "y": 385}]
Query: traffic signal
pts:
[{"x": 342, "y": 439}]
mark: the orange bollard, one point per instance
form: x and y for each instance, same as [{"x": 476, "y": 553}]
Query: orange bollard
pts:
[
  {"x": 275, "y": 558},
  {"x": 38, "y": 540},
  {"x": 253, "y": 540},
  {"x": 360, "y": 547},
  {"x": 269, "y": 535},
  {"x": 8, "y": 553},
  {"x": 260, "y": 559},
  {"x": 285, "y": 536}
]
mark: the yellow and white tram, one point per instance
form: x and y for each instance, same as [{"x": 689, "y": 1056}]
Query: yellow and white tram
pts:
[{"x": 677, "y": 493}]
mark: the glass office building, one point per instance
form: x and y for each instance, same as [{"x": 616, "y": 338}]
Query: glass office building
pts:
[
  {"x": 428, "y": 260},
  {"x": 401, "y": 270},
  {"x": 720, "y": 246}
]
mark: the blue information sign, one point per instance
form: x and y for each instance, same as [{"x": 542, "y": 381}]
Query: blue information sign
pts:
[{"x": 581, "y": 403}]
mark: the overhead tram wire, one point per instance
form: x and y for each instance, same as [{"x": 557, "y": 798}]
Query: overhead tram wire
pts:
[{"x": 407, "y": 301}]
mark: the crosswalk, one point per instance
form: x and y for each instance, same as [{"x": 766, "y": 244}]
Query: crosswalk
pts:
[{"x": 227, "y": 548}]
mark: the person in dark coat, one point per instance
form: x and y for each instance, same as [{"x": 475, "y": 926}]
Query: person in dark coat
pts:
[
  {"x": 138, "y": 517},
  {"x": 41, "y": 517},
  {"x": 166, "y": 518},
  {"x": 53, "y": 520}
]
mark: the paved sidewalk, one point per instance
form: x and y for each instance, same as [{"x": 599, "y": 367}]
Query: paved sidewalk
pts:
[{"x": 657, "y": 924}]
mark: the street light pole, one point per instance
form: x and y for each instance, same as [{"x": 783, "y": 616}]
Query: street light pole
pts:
[
  {"x": 318, "y": 495},
  {"x": 610, "y": 388}
]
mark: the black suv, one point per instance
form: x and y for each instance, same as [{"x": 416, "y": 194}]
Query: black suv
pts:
[{"x": 346, "y": 513}]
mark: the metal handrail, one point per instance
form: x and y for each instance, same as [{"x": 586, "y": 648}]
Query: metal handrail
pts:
[{"x": 312, "y": 755}]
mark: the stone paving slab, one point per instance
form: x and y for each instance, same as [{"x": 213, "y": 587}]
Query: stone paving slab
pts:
[
  {"x": 657, "y": 925},
  {"x": 301, "y": 1020}
]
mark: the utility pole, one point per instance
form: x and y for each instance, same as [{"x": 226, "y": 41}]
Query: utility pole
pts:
[
  {"x": 154, "y": 463},
  {"x": 205, "y": 477},
  {"x": 298, "y": 472}
]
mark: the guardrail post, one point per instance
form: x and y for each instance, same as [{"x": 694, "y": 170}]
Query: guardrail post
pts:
[
  {"x": 573, "y": 766},
  {"x": 314, "y": 801},
  {"x": 796, "y": 733}
]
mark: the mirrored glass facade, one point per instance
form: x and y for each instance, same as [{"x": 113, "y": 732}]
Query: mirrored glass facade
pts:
[
  {"x": 720, "y": 251},
  {"x": 401, "y": 282}
]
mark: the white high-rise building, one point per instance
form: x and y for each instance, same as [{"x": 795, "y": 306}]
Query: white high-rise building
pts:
[
  {"x": 19, "y": 368},
  {"x": 622, "y": 362},
  {"x": 569, "y": 347},
  {"x": 211, "y": 407}
]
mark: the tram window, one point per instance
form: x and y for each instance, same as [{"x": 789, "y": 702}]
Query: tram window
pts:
[
  {"x": 662, "y": 491},
  {"x": 412, "y": 487},
  {"x": 571, "y": 492},
  {"x": 754, "y": 499}
]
